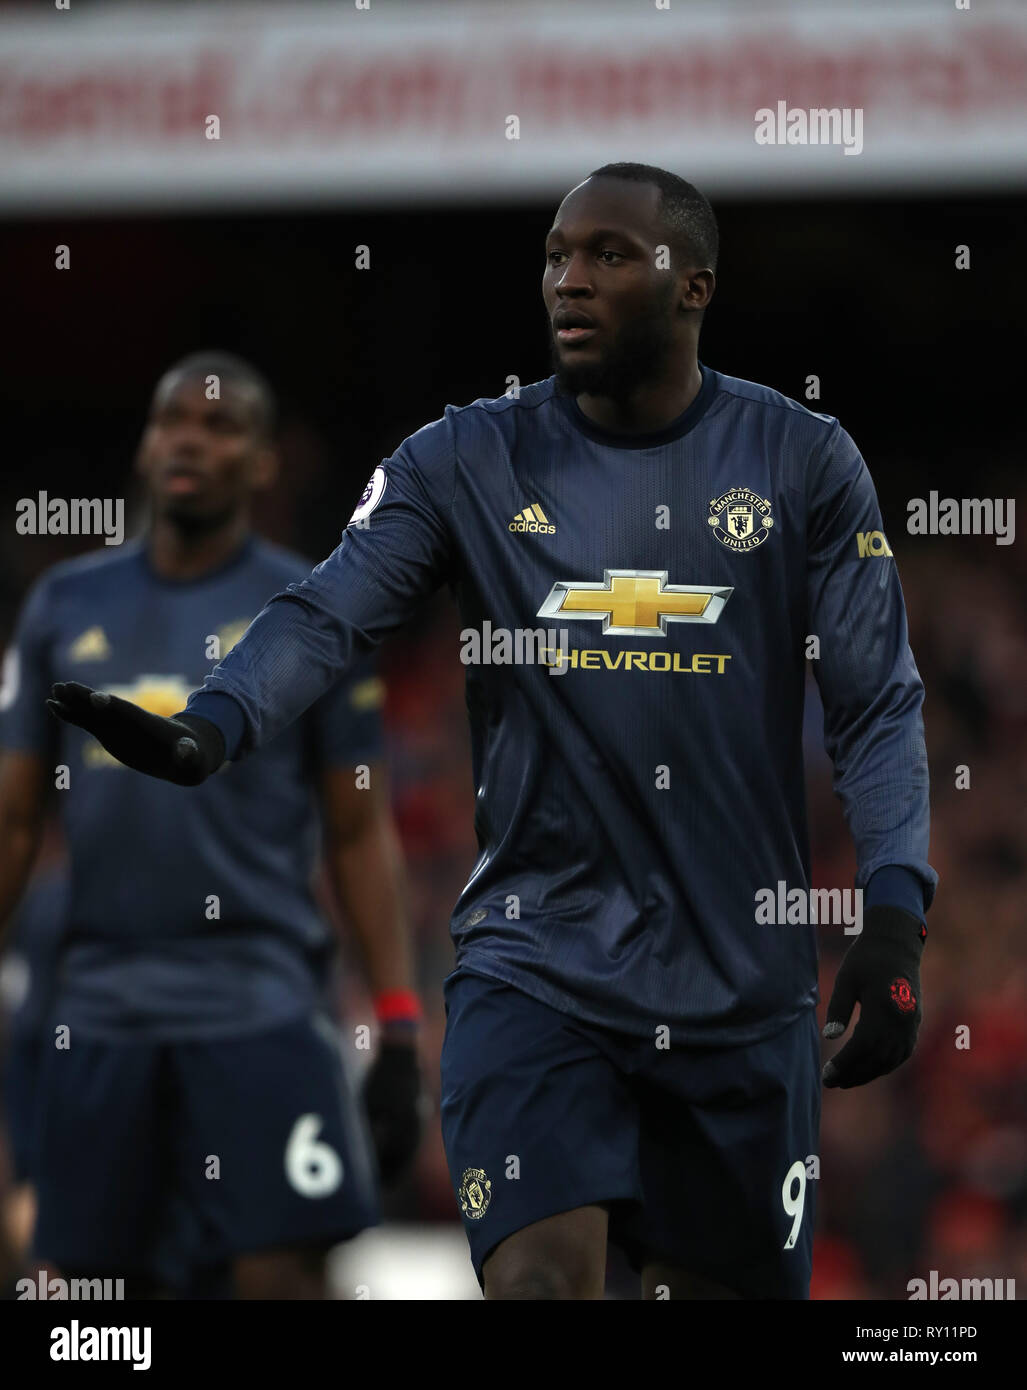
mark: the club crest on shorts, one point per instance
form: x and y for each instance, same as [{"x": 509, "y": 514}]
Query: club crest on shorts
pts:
[
  {"x": 740, "y": 518},
  {"x": 475, "y": 1193}
]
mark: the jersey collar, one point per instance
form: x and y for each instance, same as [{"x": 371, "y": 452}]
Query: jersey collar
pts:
[
  {"x": 238, "y": 557},
  {"x": 677, "y": 429}
]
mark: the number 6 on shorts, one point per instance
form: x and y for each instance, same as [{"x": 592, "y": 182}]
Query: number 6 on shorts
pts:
[{"x": 313, "y": 1168}]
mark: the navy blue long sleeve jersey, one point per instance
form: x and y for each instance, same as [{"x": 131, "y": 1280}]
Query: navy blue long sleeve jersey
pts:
[
  {"x": 638, "y": 785},
  {"x": 191, "y": 912}
]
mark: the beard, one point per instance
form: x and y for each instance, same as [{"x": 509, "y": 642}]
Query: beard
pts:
[
  {"x": 637, "y": 356},
  {"x": 193, "y": 524}
]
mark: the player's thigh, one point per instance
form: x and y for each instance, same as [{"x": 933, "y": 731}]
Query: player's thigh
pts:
[
  {"x": 727, "y": 1139},
  {"x": 100, "y": 1155},
  {"x": 281, "y": 1274},
  {"x": 561, "y": 1257},
  {"x": 537, "y": 1123},
  {"x": 274, "y": 1150}
]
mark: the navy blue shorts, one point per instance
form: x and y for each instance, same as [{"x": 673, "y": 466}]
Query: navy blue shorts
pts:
[
  {"x": 150, "y": 1158},
  {"x": 700, "y": 1154}
]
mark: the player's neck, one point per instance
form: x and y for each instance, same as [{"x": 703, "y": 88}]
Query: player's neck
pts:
[
  {"x": 182, "y": 554},
  {"x": 648, "y": 409}
]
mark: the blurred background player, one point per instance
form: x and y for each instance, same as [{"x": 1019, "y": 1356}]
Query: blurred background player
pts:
[{"x": 192, "y": 1107}]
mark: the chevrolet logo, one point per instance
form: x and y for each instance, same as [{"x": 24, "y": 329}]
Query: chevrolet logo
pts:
[{"x": 636, "y": 603}]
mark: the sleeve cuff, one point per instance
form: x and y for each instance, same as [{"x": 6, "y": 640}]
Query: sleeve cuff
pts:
[
  {"x": 892, "y": 886},
  {"x": 226, "y": 714}
]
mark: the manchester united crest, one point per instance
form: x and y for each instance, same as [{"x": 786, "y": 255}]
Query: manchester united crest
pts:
[
  {"x": 475, "y": 1193},
  {"x": 902, "y": 996},
  {"x": 741, "y": 518}
]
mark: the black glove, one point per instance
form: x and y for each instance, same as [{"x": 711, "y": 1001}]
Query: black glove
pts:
[
  {"x": 184, "y": 749},
  {"x": 392, "y": 1095},
  {"x": 880, "y": 971}
]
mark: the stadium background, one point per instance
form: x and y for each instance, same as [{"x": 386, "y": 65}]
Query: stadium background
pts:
[{"x": 850, "y": 279}]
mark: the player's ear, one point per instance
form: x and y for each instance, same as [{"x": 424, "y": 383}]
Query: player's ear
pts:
[{"x": 698, "y": 289}]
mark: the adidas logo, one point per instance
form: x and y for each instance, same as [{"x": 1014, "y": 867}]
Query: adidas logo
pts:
[
  {"x": 91, "y": 646},
  {"x": 534, "y": 520}
]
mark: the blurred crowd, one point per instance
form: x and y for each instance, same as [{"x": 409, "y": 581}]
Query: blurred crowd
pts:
[{"x": 927, "y": 1169}]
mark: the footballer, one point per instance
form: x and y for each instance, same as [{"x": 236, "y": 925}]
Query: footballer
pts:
[
  {"x": 190, "y": 1111},
  {"x": 631, "y": 1055}
]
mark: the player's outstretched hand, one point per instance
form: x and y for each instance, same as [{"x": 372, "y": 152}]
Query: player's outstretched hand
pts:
[
  {"x": 880, "y": 972},
  {"x": 184, "y": 749},
  {"x": 392, "y": 1097}
]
